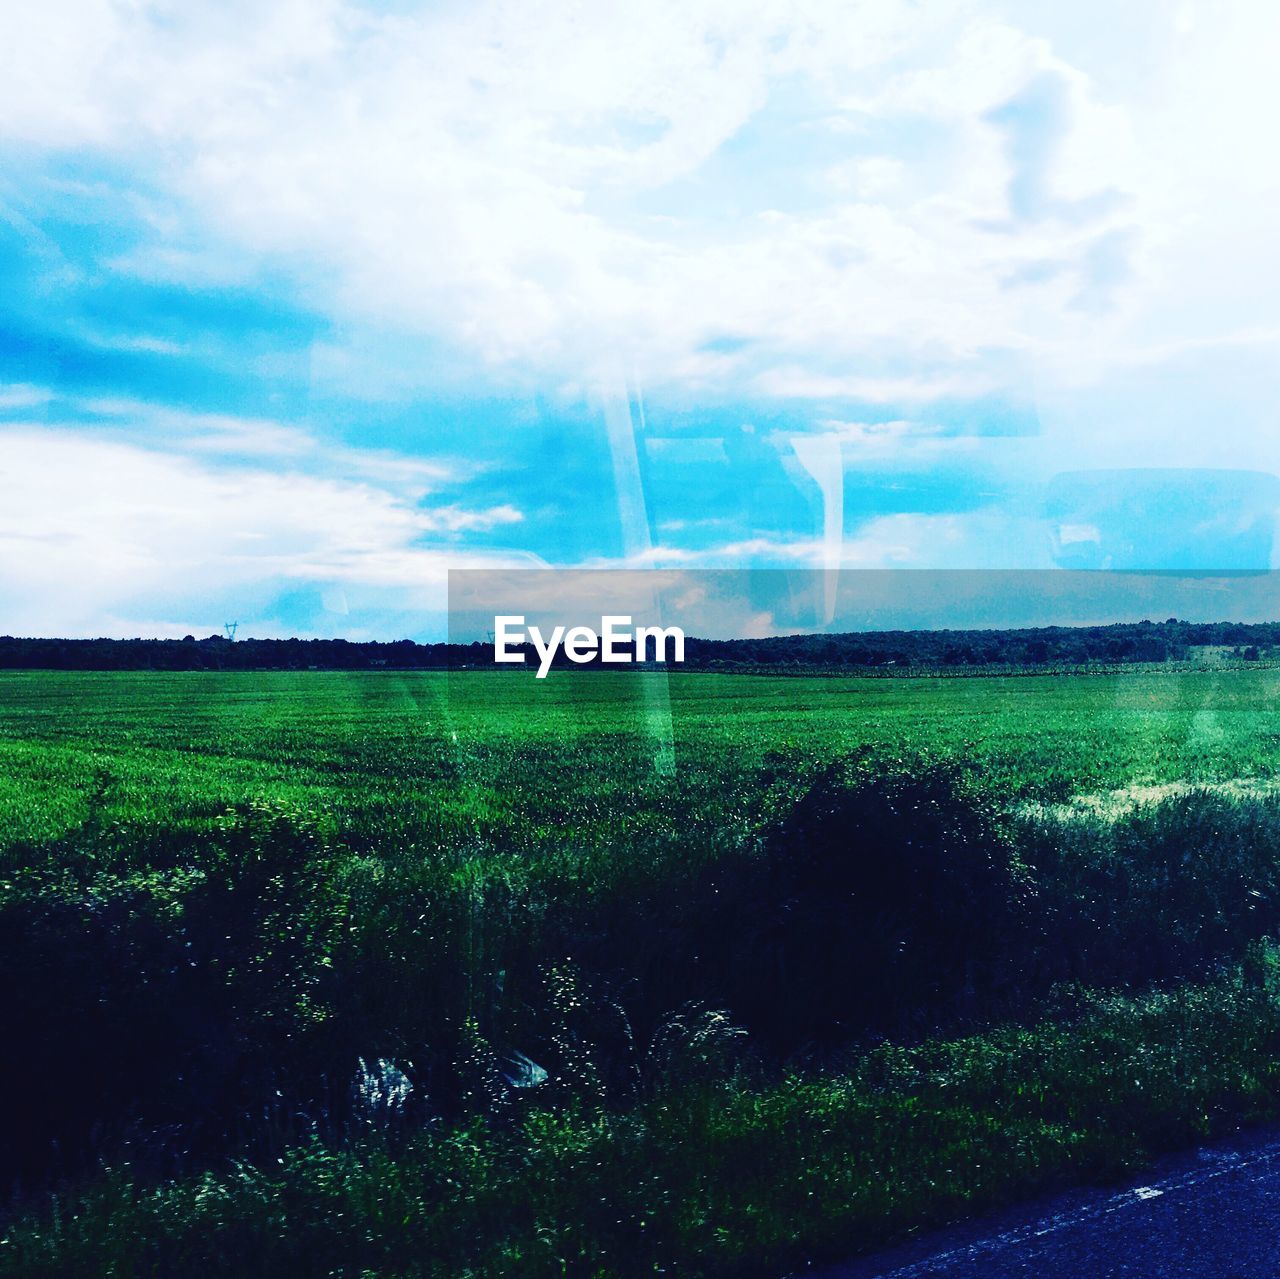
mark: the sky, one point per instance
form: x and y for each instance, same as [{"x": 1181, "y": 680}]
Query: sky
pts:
[{"x": 304, "y": 303}]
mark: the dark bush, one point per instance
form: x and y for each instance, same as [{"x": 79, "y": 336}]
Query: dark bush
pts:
[
  {"x": 1172, "y": 889},
  {"x": 175, "y": 996},
  {"x": 892, "y": 894}
]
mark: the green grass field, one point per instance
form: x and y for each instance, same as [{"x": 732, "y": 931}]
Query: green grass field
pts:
[
  {"x": 571, "y": 758},
  {"x": 803, "y": 961}
]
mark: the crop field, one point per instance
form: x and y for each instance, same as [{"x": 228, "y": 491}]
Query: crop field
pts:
[
  {"x": 571, "y": 760},
  {"x": 381, "y": 973}
]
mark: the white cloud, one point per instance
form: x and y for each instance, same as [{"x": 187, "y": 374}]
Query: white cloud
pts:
[
  {"x": 91, "y": 527},
  {"x": 796, "y": 383},
  {"x": 900, "y": 442},
  {"x": 502, "y": 175},
  {"x": 233, "y": 436},
  {"x": 455, "y": 519},
  {"x": 879, "y": 201},
  {"x": 134, "y": 342},
  {"x": 20, "y": 396},
  {"x": 982, "y": 539},
  {"x": 203, "y": 432}
]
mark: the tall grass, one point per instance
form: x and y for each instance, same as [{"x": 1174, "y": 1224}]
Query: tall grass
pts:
[
  {"x": 301, "y": 985},
  {"x": 731, "y": 1176}
]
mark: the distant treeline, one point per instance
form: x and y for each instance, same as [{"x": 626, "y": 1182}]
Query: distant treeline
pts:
[
  {"x": 1127, "y": 642},
  {"x": 1123, "y": 642},
  {"x": 217, "y": 653}
]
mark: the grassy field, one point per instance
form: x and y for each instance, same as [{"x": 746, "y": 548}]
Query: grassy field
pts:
[
  {"x": 447, "y": 756},
  {"x": 427, "y": 974}
]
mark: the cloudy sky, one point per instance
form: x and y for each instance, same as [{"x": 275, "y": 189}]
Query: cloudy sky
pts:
[{"x": 303, "y": 303}]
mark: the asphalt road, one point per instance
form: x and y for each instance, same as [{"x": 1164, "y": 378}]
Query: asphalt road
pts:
[{"x": 1210, "y": 1214}]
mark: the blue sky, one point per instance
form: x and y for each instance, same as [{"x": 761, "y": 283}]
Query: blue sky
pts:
[{"x": 303, "y": 303}]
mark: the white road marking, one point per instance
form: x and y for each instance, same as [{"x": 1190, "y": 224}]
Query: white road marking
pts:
[{"x": 1228, "y": 1162}]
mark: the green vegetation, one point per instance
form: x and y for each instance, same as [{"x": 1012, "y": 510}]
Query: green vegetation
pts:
[
  {"x": 1121, "y": 643},
  {"x": 443, "y": 974}
]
